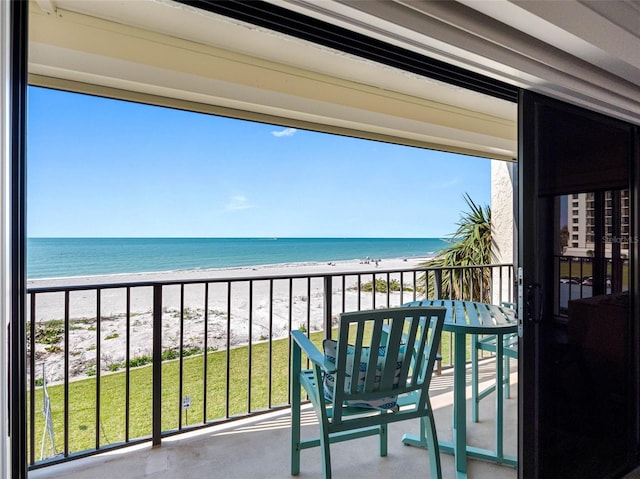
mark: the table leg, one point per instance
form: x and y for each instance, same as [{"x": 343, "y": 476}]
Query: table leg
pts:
[
  {"x": 460, "y": 405},
  {"x": 459, "y": 446},
  {"x": 499, "y": 395}
]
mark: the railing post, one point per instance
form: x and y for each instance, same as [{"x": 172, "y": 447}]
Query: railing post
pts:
[
  {"x": 156, "y": 432},
  {"x": 437, "y": 287},
  {"x": 328, "y": 306},
  {"x": 437, "y": 291}
]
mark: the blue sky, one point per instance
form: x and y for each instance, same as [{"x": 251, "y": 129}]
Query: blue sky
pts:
[{"x": 107, "y": 168}]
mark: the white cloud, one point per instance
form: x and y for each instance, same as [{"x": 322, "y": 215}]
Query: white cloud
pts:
[
  {"x": 449, "y": 183},
  {"x": 238, "y": 202},
  {"x": 285, "y": 132}
]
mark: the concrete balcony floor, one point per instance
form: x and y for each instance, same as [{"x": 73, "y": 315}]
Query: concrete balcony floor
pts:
[{"x": 259, "y": 448}]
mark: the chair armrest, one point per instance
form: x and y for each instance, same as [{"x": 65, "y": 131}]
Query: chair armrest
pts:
[{"x": 312, "y": 352}]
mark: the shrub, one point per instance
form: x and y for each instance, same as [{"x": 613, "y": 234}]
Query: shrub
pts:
[
  {"x": 140, "y": 361},
  {"x": 50, "y": 332},
  {"x": 381, "y": 286}
]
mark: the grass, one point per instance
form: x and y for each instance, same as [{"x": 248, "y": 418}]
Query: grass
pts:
[
  {"x": 82, "y": 395},
  {"x": 82, "y": 434},
  {"x": 568, "y": 269}
]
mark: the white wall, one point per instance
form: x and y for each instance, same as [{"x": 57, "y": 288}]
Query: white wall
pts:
[{"x": 502, "y": 223}]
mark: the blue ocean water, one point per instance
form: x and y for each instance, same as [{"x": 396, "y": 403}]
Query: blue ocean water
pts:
[{"x": 65, "y": 257}]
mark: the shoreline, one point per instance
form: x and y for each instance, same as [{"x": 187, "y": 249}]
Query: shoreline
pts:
[{"x": 276, "y": 269}]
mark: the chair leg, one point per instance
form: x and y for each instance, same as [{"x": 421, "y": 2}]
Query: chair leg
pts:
[
  {"x": 383, "y": 440},
  {"x": 295, "y": 410},
  {"x": 428, "y": 426},
  {"x": 474, "y": 379},
  {"x": 295, "y": 437},
  {"x": 326, "y": 452}
]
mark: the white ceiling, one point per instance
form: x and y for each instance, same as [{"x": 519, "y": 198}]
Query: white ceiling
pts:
[
  {"x": 584, "y": 52},
  {"x": 162, "y": 52}
]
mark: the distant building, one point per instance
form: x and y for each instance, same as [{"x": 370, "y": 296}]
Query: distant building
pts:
[{"x": 581, "y": 224}]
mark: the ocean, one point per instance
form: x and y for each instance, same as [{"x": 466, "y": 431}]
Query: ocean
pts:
[{"x": 67, "y": 257}]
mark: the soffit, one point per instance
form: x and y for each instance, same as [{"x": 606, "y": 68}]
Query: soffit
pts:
[
  {"x": 170, "y": 54},
  {"x": 583, "y": 52}
]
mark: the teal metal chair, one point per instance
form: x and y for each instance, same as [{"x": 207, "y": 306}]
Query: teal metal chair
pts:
[
  {"x": 488, "y": 343},
  {"x": 356, "y": 384}
]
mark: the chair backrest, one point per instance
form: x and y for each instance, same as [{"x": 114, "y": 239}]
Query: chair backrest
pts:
[{"x": 385, "y": 353}]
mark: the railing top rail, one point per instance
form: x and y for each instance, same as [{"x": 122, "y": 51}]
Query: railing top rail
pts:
[{"x": 235, "y": 279}]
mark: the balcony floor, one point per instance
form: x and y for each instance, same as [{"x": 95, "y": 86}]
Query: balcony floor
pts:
[{"x": 259, "y": 448}]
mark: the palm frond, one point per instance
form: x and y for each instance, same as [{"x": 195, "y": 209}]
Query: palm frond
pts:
[{"x": 470, "y": 245}]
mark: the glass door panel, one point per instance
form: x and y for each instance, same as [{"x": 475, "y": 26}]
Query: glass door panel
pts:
[
  {"x": 588, "y": 397},
  {"x": 577, "y": 251}
]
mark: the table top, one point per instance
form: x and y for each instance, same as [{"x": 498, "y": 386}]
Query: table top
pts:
[{"x": 472, "y": 317}]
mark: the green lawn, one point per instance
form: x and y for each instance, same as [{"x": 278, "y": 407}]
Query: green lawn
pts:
[
  {"x": 587, "y": 270},
  {"x": 82, "y": 395}
]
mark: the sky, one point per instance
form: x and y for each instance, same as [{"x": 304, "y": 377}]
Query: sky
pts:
[{"x": 107, "y": 168}]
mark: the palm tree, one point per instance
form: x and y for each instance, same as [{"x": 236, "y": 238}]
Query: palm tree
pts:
[{"x": 471, "y": 245}]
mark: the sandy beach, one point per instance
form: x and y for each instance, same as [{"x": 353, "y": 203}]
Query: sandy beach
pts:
[
  {"x": 239, "y": 272},
  {"x": 272, "y": 309}
]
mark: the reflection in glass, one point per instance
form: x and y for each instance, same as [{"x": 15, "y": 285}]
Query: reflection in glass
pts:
[
  {"x": 593, "y": 232},
  {"x": 588, "y": 383}
]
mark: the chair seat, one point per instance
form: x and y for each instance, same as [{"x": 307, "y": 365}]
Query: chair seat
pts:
[{"x": 307, "y": 376}]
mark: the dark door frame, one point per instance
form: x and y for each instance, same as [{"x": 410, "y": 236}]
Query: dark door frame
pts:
[
  {"x": 524, "y": 261},
  {"x": 532, "y": 210},
  {"x": 17, "y": 386},
  {"x": 17, "y": 328}
]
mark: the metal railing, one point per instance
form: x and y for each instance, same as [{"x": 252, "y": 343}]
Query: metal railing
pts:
[
  {"x": 112, "y": 365},
  {"x": 577, "y": 276}
]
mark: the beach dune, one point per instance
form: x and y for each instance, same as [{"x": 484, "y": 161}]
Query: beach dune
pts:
[{"x": 235, "y": 309}]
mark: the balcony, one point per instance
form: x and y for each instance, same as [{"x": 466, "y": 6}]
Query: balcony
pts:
[
  {"x": 216, "y": 383},
  {"x": 259, "y": 447}
]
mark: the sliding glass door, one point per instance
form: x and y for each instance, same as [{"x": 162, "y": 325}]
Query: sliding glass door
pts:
[{"x": 578, "y": 253}]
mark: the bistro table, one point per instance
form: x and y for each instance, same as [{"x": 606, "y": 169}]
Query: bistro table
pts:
[{"x": 463, "y": 318}]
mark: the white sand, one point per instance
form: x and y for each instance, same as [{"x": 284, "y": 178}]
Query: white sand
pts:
[
  {"x": 225, "y": 323},
  {"x": 335, "y": 267}
]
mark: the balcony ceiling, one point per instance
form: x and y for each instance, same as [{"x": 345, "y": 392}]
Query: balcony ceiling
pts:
[
  {"x": 166, "y": 53},
  {"x": 586, "y": 52}
]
